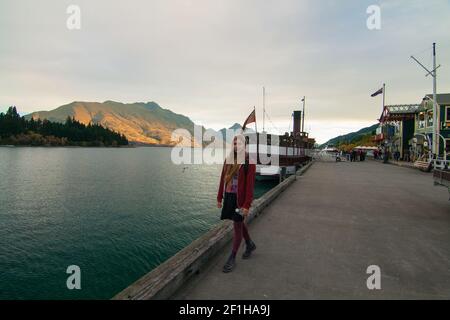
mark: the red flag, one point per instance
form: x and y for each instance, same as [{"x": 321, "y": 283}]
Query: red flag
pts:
[{"x": 250, "y": 119}]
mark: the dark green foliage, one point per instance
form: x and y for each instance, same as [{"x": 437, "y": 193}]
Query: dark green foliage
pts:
[
  {"x": 351, "y": 137},
  {"x": 16, "y": 130}
]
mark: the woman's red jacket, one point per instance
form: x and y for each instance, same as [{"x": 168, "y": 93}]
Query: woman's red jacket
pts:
[{"x": 246, "y": 185}]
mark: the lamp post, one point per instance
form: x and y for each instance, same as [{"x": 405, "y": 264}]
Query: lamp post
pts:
[{"x": 436, "y": 125}]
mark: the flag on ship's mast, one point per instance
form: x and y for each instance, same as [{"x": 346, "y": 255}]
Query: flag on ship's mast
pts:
[{"x": 250, "y": 119}]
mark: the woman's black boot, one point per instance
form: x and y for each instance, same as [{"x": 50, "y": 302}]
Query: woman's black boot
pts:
[
  {"x": 231, "y": 262},
  {"x": 250, "y": 247}
]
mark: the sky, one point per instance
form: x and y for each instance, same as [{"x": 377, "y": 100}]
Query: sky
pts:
[{"x": 209, "y": 59}]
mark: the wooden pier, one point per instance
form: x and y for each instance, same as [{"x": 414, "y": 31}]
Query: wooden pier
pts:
[
  {"x": 166, "y": 279},
  {"x": 317, "y": 239}
]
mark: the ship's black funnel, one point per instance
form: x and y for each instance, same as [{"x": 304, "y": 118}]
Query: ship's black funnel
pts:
[{"x": 297, "y": 122}]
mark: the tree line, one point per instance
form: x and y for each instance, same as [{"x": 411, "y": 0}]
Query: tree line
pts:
[
  {"x": 361, "y": 140},
  {"x": 16, "y": 130}
]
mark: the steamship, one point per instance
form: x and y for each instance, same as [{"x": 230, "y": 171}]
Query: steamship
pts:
[{"x": 279, "y": 156}]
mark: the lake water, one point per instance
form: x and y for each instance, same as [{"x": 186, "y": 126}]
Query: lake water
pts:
[{"x": 115, "y": 213}]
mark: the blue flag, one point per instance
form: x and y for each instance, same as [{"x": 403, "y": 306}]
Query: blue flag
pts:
[{"x": 377, "y": 93}]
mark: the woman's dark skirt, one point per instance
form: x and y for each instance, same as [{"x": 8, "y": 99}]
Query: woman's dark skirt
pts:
[{"x": 229, "y": 208}]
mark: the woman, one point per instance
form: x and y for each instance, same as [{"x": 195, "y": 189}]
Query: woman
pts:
[{"x": 236, "y": 190}]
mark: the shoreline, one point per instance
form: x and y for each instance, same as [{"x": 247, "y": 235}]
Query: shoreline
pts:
[
  {"x": 56, "y": 147},
  {"x": 100, "y": 147}
]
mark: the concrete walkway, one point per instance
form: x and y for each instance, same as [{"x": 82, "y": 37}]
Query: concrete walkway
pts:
[{"x": 318, "y": 238}]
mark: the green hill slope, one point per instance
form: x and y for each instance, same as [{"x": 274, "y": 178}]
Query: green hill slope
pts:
[{"x": 351, "y": 137}]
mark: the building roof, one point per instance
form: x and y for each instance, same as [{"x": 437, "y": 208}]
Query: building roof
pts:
[
  {"x": 403, "y": 108},
  {"x": 443, "y": 99},
  {"x": 399, "y": 112}
]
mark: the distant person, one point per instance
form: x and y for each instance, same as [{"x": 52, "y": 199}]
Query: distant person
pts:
[
  {"x": 236, "y": 188},
  {"x": 386, "y": 156},
  {"x": 409, "y": 155},
  {"x": 406, "y": 156}
]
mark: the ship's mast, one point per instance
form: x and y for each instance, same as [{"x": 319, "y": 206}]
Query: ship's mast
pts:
[{"x": 264, "y": 109}]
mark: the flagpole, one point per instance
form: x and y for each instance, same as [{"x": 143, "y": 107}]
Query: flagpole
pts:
[
  {"x": 303, "y": 122},
  {"x": 264, "y": 109}
]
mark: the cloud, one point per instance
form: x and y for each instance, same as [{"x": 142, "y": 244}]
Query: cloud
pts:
[{"x": 210, "y": 59}]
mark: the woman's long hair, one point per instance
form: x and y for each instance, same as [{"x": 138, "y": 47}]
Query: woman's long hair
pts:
[
  {"x": 231, "y": 164},
  {"x": 230, "y": 171}
]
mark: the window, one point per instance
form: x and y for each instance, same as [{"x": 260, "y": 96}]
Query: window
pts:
[
  {"x": 447, "y": 114},
  {"x": 447, "y": 145},
  {"x": 421, "y": 120},
  {"x": 430, "y": 118}
]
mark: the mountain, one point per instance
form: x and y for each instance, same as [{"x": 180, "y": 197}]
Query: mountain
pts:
[
  {"x": 350, "y": 136},
  {"x": 234, "y": 127},
  {"x": 140, "y": 122}
]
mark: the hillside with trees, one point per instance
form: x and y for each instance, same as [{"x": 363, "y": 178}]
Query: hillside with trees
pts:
[
  {"x": 361, "y": 140},
  {"x": 348, "y": 141},
  {"x": 144, "y": 123},
  {"x": 16, "y": 130}
]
